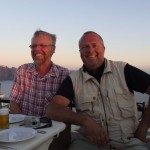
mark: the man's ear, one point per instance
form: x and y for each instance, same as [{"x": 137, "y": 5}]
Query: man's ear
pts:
[
  {"x": 104, "y": 48},
  {"x": 53, "y": 48}
]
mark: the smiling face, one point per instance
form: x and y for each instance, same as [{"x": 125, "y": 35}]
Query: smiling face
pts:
[
  {"x": 91, "y": 51},
  {"x": 42, "y": 49}
]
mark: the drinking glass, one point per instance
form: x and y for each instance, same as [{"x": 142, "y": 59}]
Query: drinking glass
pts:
[{"x": 4, "y": 118}]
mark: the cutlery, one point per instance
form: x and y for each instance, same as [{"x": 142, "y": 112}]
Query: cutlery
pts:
[
  {"x": 42, "y": 132},
  {"x": 7, "y": 148},
  {"x": 44, "y": 126},
  {"x": 39, "y": 131}
]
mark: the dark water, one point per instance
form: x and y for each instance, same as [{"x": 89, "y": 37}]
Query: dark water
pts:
[{"x": 7, "y": 85}]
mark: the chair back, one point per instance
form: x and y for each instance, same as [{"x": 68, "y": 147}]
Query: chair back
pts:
[{"x": 141, "y": 108}]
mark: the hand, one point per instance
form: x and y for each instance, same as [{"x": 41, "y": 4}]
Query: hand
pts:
[
  {"x": 97, "y": 133},
  {"x": 14, "y": 108},
  {"x": 144, "y": 125},
  {"x": 140, "y": 135}
]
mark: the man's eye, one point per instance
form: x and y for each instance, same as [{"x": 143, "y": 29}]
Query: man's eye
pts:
[
  {"x": 94, "y": 45},
  {"x": 85, "y": 47}
]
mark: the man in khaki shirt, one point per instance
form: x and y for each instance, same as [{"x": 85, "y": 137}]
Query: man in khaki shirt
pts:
[{"x": 103, "y": 93}]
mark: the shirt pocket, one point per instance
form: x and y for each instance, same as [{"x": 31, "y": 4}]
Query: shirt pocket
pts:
[
  {"x": 125, "y": 103},
  {"x": 86, "y": 103}
]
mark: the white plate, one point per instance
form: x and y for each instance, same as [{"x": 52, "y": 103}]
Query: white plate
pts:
[
  {"x": 13, "y": 118},
  {"x": 17, "y": 134}
]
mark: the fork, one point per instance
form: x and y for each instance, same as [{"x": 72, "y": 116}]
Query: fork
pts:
[
  {"x": 41, "y": 131},
  {"x": 7, "y": 148}
]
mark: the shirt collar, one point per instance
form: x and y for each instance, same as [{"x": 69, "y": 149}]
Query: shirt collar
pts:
[
  {"x": 52, "y": 72},
  {"x": 104, "y": 68},
  {"x": 101, "y": 68}
]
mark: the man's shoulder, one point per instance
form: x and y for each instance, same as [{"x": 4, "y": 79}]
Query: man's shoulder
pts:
[
  {"x": 61, "y": 68},
  {"x": 26, "y": 66},
  {"x": 76, "y": 73},
  {"x": 115, "y": 64}
]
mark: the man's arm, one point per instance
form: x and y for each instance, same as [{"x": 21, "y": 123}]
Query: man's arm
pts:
[
  {"x": 148, "y": 90},
  {"x": 145, "y": 122},
  {"x": 14, "y": 108},
  {"x": 58, "y": 110}
]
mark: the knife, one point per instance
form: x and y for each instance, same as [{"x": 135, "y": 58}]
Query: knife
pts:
[
  {"x": 44, "y": 126},
  {"x": 7, "y": 148}
]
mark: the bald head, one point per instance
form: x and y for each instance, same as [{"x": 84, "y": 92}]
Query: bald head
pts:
[{"x": 90, "y": 32}]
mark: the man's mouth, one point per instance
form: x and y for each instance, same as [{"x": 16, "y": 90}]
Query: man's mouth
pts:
[
  {"x": 91, "y": 56},
  {"x": 38, "y": 55}
]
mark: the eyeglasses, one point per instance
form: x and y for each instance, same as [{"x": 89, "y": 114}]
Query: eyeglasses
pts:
[{"x": 41, "y": 45}]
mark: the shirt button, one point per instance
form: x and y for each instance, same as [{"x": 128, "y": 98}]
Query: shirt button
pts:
[{"x": 94, "y": 97}]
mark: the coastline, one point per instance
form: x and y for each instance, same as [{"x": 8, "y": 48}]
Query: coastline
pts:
[{"x": 7, "y": 85}]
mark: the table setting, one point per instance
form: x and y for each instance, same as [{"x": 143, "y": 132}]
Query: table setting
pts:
[{"x": 28, "y": 132}]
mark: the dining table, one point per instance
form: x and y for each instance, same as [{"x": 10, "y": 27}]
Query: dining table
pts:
[{"x": 41, "y": 141}]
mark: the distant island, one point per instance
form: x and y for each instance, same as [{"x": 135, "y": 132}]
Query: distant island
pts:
[{"x": 7, "y": 73}]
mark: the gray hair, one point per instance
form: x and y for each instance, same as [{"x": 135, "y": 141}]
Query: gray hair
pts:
[{"x": 51, "y": 36}]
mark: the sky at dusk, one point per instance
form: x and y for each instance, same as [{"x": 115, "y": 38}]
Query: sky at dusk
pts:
[{"x": 123, "y": 24}]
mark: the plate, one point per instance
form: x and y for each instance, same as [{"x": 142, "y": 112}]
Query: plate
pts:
[
  {"x": 13, "y": 118},
  {"x": 17, "y": 134}
]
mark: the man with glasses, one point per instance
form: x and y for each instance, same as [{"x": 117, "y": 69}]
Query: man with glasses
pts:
[{"x": 36, "y": 83}]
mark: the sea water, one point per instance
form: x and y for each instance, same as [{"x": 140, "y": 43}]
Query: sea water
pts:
[{"x": 7, "y": 85}]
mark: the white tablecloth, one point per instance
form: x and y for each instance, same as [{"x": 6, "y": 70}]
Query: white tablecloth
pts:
[{"x": 39, "y": 142}]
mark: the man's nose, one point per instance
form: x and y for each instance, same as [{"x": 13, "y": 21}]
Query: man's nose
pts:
[{"x": 90, "y": 49}]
